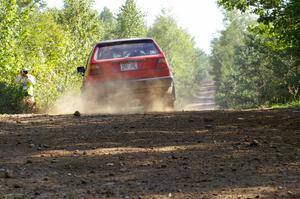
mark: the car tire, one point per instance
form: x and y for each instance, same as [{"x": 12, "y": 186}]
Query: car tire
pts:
[{"x": 169, "y": 102}]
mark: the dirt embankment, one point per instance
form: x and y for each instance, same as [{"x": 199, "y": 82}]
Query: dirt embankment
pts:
[{"x": 208, "y": 154}]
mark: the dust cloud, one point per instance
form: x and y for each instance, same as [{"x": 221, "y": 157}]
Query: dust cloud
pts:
[
  {"x": 72, "y": 101},
  {"x": 94, "y": 101},
  {"x": 67, "y": 104}
]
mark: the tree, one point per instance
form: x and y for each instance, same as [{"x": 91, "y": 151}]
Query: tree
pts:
[
  {"x": 107, "y": 16},
  {"x": 278, "y": 29},
  {"x": 130, "y": 21},
  {"x": 44, "y": 50},
  {"x": 84, "y": 26},
  {"x": 250, "y": 73},
  {"x": 10, "y": 33},
  {"x": 13, "y": 15},
  {"x": 109, "y": 22},
  {"x": 279, "y": 19},
  {"x": 184, "y": 58},
  {"x": 203, "y": 68},
  {"x": 223, "y": 48},
  {"x": 224, "y": 54}
]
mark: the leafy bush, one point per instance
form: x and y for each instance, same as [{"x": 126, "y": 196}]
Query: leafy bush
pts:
[{"x": 11, "y": 98}]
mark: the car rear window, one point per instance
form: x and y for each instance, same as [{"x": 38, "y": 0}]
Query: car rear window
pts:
[{"x": 123, "y": 50}]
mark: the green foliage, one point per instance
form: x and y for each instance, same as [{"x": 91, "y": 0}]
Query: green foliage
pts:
[
  {"x": 223, "y": 57},
  {"x": 292, "y": 104},
  {"x": 10, "y": 98},
  {"x": 250, "y": 73},
  {"x": 130, "y": 21},
  {"x": 107, "y": 16},
  {"x": 275, "y": 43},
  {"x": 279, "y": 20},
  {"x": 84, "y": 26},
  {"x": 43, "y": 48},
  {"x": 9, "y": 29},
  {"x": 13, "y": 196},
  {"x": 13, "y": 16},
  {"x": 54, "y": 42},
  {"x": 109, "y": 22}
]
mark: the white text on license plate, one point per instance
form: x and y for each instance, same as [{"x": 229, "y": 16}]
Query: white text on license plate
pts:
[{"x": 129, "y": 66}]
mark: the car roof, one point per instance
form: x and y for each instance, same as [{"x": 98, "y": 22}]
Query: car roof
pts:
[{"x": 124, "y": 40}]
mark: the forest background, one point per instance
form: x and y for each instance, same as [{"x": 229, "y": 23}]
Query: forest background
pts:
[{"x": 254, "y": 60}]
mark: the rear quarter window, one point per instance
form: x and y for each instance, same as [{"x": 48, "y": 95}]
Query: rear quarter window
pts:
[{"x": 124, "y": 50}]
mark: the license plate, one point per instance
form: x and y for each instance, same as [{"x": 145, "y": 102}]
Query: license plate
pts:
[{"x": 129, "y": 66}]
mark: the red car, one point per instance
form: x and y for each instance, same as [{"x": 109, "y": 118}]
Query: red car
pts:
[{"x": 134, "y": 67}]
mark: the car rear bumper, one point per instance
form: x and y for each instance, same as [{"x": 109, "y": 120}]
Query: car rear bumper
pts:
[
  {"x": 157, "y": 85},
  {"x": 163, "y": 83}
]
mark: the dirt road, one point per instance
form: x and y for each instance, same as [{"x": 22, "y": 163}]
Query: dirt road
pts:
[
  {"x": 208, "y": 154},
  {"x": 204, "y": 99}
]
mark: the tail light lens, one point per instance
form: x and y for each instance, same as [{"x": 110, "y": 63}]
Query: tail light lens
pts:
[
  {"x": 95, "y": 69},
  {"x": 161, "y": 61}
]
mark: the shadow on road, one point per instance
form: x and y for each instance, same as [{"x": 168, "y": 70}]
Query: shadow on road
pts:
[{"x": 212, "y": 154}]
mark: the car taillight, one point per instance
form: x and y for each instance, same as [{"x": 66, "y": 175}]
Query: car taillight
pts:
[
  {"x": 95, "y": 69},
  {"x": 162, "y": 64},
  {"x": 161, "y": 61}
]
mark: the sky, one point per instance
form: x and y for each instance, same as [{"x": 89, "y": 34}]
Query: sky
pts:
[{"x": 201, "y": 18}]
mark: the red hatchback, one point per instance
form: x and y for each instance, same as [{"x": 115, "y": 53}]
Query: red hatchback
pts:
[{"x": 135, "y": 67}]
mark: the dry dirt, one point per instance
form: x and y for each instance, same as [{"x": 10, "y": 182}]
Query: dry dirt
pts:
[{"x": 208, "y": 154}]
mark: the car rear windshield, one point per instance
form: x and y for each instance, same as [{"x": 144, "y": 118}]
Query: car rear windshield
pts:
[{"x": 123, "y": 50}]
